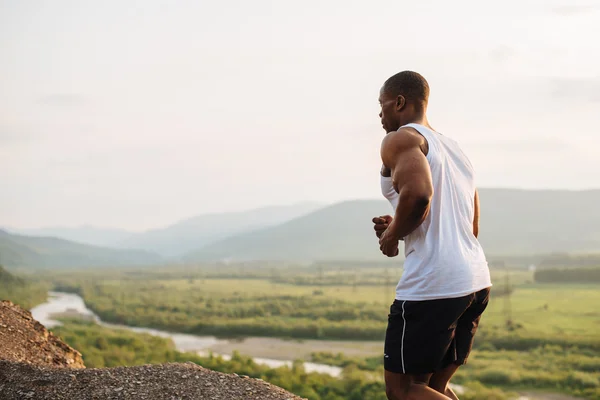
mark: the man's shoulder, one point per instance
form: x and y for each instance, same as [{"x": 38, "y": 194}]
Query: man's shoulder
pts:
[{"x": 403, "y": 138}]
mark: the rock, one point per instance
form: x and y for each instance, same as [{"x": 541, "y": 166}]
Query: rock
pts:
[
  {"x": 32, "y": 358},
  {"x": 26, "y": 340}
]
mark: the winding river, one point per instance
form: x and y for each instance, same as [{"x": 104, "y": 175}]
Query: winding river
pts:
[{"x": 60, "y": 303}]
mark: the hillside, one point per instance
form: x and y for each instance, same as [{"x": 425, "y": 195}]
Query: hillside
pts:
[
  {"x": 193, "y": 233},
  {"x": 35, "y": 364},
  {"x": 342, "y": 231},
  {"x": 21, "y": 291},
  {"x": 7, "y": 279},
  {"x": 83, "y": 234},
  {"x": 540, "y": 221},
  {"x": 26, "y": 251},
  {"x": 512, "y": 222}
]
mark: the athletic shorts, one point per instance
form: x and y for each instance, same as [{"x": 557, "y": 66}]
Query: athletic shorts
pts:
[{"x": 423, "y": 337}]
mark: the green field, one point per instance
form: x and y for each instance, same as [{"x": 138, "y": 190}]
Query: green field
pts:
[
  {"x": 21, "y": 291},
  {"x": 533, "y": 336},
  {"x": 102, "y": 347},
  {"x": 259, "y": 307}
]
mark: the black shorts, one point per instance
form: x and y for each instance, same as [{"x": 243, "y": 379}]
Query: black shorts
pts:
[{"x": 423, "y": 337}]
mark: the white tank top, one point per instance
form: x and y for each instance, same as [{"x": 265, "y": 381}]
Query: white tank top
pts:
[{"x": 443, "y": 257}]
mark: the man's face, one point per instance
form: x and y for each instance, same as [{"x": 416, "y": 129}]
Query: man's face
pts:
[{"x": 388, "y": 116}]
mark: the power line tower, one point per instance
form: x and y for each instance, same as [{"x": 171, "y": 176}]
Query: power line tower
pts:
[
  {"x": 386, "y": 285},
  {"x": 273, "y": 277},
  {"x": 320, "y": 274},
  {"x": 507, "y": 301}
]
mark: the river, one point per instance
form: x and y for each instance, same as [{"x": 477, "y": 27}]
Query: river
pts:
[{"x": 60, "y": 303}]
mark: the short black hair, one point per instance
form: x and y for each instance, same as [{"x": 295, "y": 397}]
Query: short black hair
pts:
[{"x": 409, "y": 84}]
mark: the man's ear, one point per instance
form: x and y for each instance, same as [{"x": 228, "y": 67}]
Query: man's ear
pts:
[{"x": 400, "y": 102}]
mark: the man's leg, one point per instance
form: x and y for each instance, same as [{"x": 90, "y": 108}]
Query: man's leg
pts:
[
  {"x": 439, "y": 381},
  {"x": 410, "y": 387},
  {"x": 417, "y": 342},
  {"x": 462, "y": 344}
]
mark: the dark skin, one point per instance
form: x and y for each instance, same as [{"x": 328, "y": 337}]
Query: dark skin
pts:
[{"x": 403, "y": 153}]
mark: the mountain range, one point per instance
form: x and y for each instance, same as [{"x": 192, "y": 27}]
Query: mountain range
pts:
[
  {"x": 182, "y": 237},
  {"x": 191, "y": 234},
  {"x": 513, "y": 222},
  {"x": 85, "y": 234},
  {"x": 51, "y": 252}
]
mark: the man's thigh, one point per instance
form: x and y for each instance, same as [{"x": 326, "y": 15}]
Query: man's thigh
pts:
[
  {"x": 402, "y": 382},
  {"x": 410, "y": 387},
  {"x": 468, "y": 324}
]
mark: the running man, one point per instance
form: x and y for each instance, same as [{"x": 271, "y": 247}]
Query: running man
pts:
[{"x": 445, "y": 285}]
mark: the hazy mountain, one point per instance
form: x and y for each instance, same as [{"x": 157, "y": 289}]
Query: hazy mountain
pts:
[
  {"x": 83, "y": 234},
  {"x": 540, "y": 221},
  {"x": 30, "y": 251},
  {"x": 193, "y": 233},
  {"x": 7, "y": 279},
  {"x": 342, "y": 231},
  {"x": 512, "y": 222}
]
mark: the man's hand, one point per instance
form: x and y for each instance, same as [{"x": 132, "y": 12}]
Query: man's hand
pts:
[
  {"x": 388, "y": 242},
  {"x": 381, "y": 224}
]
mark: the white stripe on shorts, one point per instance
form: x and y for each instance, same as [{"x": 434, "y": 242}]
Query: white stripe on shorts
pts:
[{"x": 402, "y": 345}]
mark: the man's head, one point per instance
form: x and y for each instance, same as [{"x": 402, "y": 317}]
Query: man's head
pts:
[{"x": 403, "y": 99}]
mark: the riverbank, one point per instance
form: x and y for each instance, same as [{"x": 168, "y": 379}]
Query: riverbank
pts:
[{"x": 272, "y": 352}]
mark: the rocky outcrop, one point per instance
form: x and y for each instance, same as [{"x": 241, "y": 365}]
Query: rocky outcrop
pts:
[
  {"x": 35, "y": 364},
  {"x": 23, "y": 339}
]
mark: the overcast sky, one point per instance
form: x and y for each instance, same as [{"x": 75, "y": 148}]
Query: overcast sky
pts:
[{"x": 135, "y": 114}]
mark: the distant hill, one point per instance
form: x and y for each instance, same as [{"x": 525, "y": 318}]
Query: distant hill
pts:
[
  {"x": 84, "y": 234},
  {"x": 342, "y": 232},
  {"x": 7, "y": 279},
  {"x": 29, "y": 251},
  {"x": 193, "y": 233},
  {"x": 540, "y": 221},
  {"x": 21, "y": 291},
  {"x": 513, "y": 222}
]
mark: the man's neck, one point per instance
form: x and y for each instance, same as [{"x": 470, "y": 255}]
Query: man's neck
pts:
[{"x": 420, "y": 119}]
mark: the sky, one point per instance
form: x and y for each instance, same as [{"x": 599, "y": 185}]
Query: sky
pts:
[{"x": 137, "y": 114}]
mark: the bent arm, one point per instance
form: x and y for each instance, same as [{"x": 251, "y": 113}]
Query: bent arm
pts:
[
  {"x": 476, "y": 217},
  {"x": 402, "y": 153}
]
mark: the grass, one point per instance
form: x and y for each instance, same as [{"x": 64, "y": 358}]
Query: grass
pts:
[
  {"x": 536, "y": 310},
  {"x": 552, "y": 343},
  {"x": 540, "y": 309},
  {"x": 569, "y": 310}
]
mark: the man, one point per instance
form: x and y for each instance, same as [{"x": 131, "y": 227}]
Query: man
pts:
[{"x": 445, "y": 285}]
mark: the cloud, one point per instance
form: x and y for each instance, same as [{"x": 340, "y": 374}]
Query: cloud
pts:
[
  {"x": 582, "y": 89},
  {"x": 62, "y": 100},
  {"x": 574, "y": 9}
]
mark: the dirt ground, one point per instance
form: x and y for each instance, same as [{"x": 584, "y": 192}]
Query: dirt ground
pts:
[
  {"x": 279, "y": 349},
  {"x": 34, "y": 364},
  {"x": 24, "y": 339},
  {"x": 150, "y": 382}
]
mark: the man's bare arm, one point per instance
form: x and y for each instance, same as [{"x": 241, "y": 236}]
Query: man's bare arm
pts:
[
  {"x": 402, "y": 153},
  {"x": 476, "y": 218}
]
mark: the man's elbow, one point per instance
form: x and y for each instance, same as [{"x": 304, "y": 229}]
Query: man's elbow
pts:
[{"x": 419, "y": 201}]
